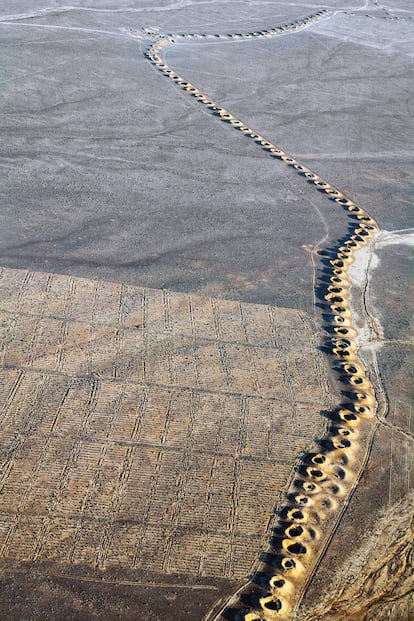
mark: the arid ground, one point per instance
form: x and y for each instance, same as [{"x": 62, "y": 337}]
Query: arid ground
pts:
[{"x": 164, "y": 373}]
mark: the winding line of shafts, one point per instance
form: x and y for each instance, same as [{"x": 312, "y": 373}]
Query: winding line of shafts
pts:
[{"x": 324, "y": 478}]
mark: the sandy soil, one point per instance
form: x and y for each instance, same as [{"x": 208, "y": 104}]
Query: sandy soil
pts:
[{"x": 110, "y": 172}]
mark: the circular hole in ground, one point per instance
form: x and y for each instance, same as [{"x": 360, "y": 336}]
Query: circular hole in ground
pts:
[
  {"x": 310, "y": 487},
  {"x": 278, "y": 584},
  {"x": 288, "y": 563},
  {"x": 348, "y": 416},
  {"x": 297, "y": 515},
  {"x": 275, "y": 604},
  {"x": 316, "y": 473},
  {"x": 297, "y": 548},
  {"x": 294, "y": 531}
]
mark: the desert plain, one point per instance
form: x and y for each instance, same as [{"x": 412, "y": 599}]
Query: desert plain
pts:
[{"x": 164, "y": 368}]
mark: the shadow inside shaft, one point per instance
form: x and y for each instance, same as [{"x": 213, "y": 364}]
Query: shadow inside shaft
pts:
[{"x": 235, "y": 614}]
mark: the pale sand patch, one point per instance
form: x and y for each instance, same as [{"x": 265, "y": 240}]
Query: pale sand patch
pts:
[{"x": 367, "y": 259}]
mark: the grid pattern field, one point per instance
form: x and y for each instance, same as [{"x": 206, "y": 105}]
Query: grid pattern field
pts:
[{"x": 147, "y": 429}]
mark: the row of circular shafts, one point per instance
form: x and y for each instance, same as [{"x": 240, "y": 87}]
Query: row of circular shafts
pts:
[
  {"x": 290, "y": 27},
  {"x": 326, "y": 475}
]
